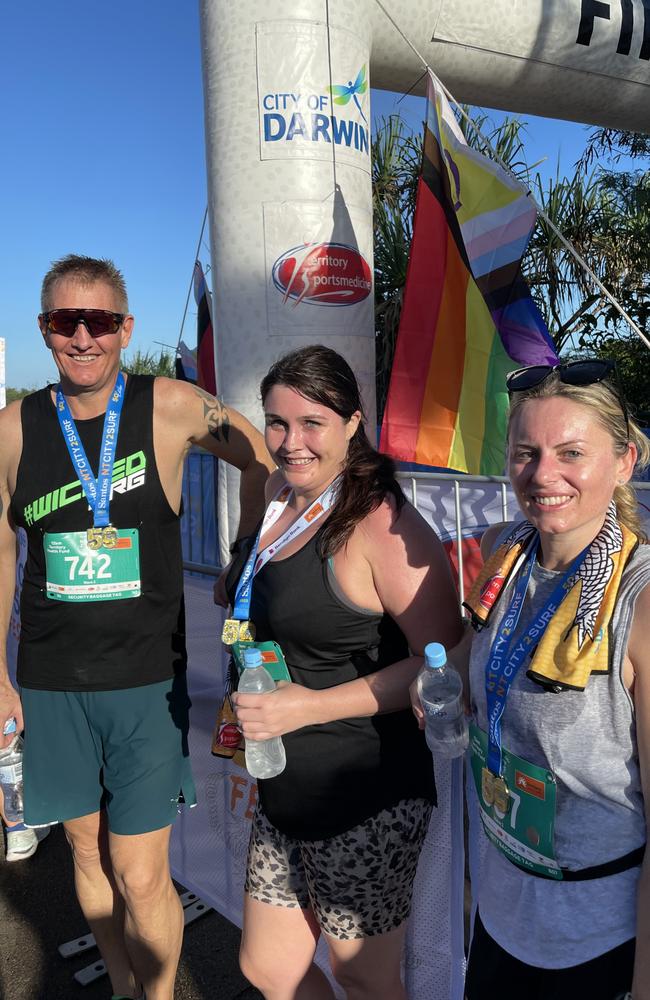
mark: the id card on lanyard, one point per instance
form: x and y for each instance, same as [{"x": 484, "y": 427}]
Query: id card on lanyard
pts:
[
  {"x": 101, "y": 563},
  {"x": 239, "y": 628},
  {"x": 516, "y": 798}
]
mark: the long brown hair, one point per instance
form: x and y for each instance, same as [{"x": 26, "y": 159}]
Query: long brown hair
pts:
[
  {"x": 604, "y": 400},
  {"x": 320, "y": 374}
]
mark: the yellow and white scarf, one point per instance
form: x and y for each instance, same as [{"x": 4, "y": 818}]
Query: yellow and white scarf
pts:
[{"x": 576, "y": 641}]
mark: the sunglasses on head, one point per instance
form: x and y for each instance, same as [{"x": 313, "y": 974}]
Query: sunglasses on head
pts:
[
  {"x": 587, "y": 372},
  {"x": 98, "y": 322}
]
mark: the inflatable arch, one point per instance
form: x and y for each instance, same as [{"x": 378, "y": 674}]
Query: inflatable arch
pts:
[
  {"x": 287, "y": 114},
  {"x": 287, "y": 121}
]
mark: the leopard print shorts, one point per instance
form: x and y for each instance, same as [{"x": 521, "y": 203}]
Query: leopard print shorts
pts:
[{"x": 358, "y": 883}]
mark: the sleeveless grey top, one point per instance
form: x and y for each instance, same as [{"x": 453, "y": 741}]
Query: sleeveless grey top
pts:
[{"x": 588, "y": 739}]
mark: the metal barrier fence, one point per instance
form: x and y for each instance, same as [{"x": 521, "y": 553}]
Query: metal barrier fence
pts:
[
  {"x": 199, "y": 518},
  {"x": 199, "y": 533}
]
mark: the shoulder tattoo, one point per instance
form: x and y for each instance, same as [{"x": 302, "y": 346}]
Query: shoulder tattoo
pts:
[{"x": 215, "y": 415}]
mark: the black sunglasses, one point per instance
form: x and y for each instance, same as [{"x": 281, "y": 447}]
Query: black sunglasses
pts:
[
  {"x": 98, "y": 322},
  {"x": 587, "y": 372}
]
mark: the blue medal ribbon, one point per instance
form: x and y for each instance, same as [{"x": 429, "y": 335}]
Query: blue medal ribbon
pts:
[
  {"x": 97, "y": 490},
  {"x": 244, "y": 592},
  {"x": 503, "y": 662}
]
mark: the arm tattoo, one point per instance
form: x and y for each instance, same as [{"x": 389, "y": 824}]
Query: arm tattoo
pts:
[{"x": 215, "y": 415}]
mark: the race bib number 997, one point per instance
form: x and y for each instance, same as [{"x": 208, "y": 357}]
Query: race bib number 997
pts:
[{"x": 76, "y": 572}]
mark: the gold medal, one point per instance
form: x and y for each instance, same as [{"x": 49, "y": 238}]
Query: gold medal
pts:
[
  {"x": 495, "y": 791},
  {"x": 230, "y": 631},
  {"x": 99, "y": 538},
  {"x": 487, "y": 786},
  {"x": 502, "y": 800},
  {"x": 109, "y": 537},
  {"x": 236, "y": 631},
  {"x": 94, "y": 538},
  {"x": 246, "y": 632}
]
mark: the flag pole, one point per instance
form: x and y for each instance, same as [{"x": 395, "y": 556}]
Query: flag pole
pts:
[
  {"x": 189, "y": 290},
  {"x": 540, "y": 211}
]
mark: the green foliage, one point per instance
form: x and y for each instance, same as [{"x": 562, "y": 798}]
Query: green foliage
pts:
[
  {"x": 628, "y": 233},
  {"x": 632, "y": 359},
  {"x": 14, "y": 394},
  {"x": 558, "y": 282},
  {"x": 633, "y": 362},
  {"x": 396, "y": 158},
  {"x": 605, "y": 215},
  {"x": 614, "y": 144},
  {"x": 147, "y": 363}
]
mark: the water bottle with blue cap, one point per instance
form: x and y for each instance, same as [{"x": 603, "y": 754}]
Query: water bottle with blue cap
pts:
[
  {"x": 11, "y": 775},
  {"x": 264, "y": 758},
  {"x": 440, "y": 690}
]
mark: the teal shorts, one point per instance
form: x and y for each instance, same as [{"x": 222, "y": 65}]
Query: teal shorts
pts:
[{"x": 124, "y": 751}]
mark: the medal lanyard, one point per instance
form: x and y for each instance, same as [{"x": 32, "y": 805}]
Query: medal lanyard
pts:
[
  {"x": 503, "y": 663},
  {"x": 97, "y": 490},
  {"x": 254, "y": 564}
]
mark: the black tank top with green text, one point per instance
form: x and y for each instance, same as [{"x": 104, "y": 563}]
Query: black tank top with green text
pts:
[{"x": 106, "y": 644}]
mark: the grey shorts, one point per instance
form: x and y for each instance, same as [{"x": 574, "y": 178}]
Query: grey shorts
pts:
[{"x": 358, "y": 883}]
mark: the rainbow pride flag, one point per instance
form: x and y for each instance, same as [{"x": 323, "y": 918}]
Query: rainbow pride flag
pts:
[
  {"x": 206, "y": 376},
  {"x": 468, "y": 317}
]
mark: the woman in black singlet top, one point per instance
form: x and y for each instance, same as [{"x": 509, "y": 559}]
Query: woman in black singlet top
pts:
[{"x": 352, "y": 600}]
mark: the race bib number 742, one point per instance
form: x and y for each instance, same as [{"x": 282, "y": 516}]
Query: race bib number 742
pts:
[{"x": 76, "y": 572}]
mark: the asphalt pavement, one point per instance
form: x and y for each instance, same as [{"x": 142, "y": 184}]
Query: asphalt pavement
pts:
[{"x": 39, "y": 911}]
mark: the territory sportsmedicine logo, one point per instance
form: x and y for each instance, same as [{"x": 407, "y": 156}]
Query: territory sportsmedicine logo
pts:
[{"x": 322, "y": 274}]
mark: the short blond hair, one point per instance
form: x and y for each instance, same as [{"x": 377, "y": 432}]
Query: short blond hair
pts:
[{"x": 87, "y": 271}]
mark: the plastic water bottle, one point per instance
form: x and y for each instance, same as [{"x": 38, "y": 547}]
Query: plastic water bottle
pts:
[
  {"x": 441, "y": 695},
  {"x": 9, "y": 727},
  {"x": 264, "y": 758},
  {"x": 11, "y": 779}
]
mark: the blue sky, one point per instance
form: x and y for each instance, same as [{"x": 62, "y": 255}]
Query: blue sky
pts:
[{"x": 103, "y": 154}]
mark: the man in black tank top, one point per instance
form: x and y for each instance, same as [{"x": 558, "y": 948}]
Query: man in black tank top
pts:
[{"x": 91, "y": 470}]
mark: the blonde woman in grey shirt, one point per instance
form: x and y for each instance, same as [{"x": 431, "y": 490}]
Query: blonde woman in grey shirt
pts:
[{"x": 559, "y": 675}]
